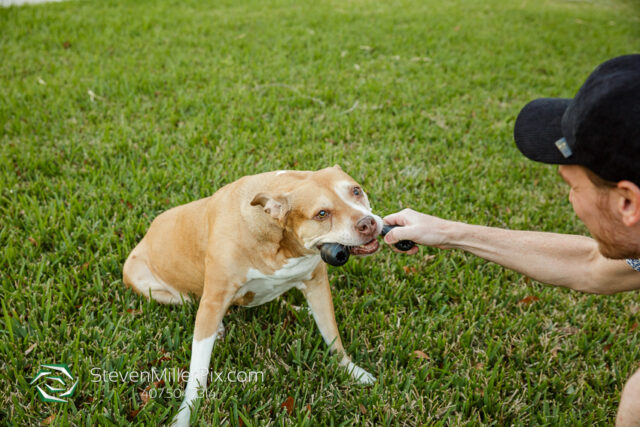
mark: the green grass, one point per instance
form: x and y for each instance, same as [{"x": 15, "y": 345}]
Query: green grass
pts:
[{"x": 416, "y": 100}]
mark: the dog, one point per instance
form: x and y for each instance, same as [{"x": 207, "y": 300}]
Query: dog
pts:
[{"x": 247, "y": 244}]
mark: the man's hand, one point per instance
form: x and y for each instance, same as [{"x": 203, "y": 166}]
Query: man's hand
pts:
[{"x": 418, "y": 227}]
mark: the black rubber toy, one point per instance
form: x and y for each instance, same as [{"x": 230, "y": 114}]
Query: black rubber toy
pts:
[
  {"x": 336, "y": 254},
  {"x": 402, "y": 245}
]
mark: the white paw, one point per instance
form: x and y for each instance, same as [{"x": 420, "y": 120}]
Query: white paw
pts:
[
  {"x": 182, "y": 418},
  {"x": 359, "y": 374}
]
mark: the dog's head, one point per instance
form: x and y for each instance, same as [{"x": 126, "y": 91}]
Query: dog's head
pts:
[{"x": 326, "y": 206}]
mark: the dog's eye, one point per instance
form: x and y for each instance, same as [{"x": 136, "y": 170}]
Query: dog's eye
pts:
[
  {"x": 322, "y": 214},
  {"x": 357, "y": 191}
]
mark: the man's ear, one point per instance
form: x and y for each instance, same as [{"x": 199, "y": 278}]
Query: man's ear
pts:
[
  {"x": 629, "y": 203},
  {"x": 276, "y": 206}
]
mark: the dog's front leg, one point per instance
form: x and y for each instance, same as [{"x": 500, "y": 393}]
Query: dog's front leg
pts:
[
  {"x": 318, "y": 295},
  {"x": 213, "y": 306}
]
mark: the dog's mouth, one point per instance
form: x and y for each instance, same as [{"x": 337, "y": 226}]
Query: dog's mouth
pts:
[{"x": 366, "y": 249}]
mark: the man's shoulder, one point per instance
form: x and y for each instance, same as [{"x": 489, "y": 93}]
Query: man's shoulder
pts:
[{"x": 634, "y": 263}]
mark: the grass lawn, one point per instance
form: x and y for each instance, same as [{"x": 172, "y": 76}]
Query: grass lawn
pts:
[{"x": 112, "y": 112}]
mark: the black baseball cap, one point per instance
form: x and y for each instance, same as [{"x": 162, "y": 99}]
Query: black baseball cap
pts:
[{"x": 599, "y": 128}]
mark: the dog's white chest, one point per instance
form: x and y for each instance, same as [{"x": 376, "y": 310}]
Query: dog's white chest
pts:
[{"x": 261, "y": 288}]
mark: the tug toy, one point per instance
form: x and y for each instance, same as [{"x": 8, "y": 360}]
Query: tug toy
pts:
[
  {"x": 402, "y": 245},
  {"x": 336, "y": 254}
]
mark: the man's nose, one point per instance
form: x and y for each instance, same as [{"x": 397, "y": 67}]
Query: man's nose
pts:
[{"x": 366, "y": 225}]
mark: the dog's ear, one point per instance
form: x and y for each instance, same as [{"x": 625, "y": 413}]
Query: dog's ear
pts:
[
  {"x": 276, "y": 206},
  {"x": 337, "y": 166}
]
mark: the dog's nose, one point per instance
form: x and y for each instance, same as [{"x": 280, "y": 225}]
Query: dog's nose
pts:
[{"x": 366, "y": 225}]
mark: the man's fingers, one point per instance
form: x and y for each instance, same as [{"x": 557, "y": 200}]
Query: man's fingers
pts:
[
  {"x": 390, "y": 238},
  {"x": 394, "y": 219},
  {"x": 397, "y": 234}
]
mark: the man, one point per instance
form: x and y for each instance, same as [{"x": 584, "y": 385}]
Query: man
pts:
[{"x": 595, "y": 140}]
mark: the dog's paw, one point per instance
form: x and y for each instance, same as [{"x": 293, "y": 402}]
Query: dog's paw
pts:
[
  {"x": 366, "y": 378},
  {"x": 182, "y": 418},
  {"x": 359, "y": 374}
]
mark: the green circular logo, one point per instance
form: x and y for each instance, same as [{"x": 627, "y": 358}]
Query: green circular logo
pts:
[{"x": 55, "y": 383}]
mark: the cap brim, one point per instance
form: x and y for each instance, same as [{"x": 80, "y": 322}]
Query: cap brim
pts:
[{"x": 538, "y": 127}]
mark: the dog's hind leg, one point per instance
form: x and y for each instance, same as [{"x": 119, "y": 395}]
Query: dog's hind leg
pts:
[{"x": 137, "y": 274}]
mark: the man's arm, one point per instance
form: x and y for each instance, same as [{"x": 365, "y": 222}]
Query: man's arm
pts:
[{"x": 558, "y": 259}]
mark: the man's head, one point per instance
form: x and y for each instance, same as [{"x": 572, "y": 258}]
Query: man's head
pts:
[
  {"x": 611, "y": 211},
  {"x": 595, "y": 137}
]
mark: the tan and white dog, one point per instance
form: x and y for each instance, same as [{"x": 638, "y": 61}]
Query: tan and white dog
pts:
[{"x": 253, "y": 240}]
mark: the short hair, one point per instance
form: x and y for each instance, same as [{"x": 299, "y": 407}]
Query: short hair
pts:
[{"x": 599, "y": 182}]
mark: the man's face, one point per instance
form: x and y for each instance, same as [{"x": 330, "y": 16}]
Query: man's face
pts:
[
  {"x": 584, "y": 195},
  {"x": 592, "y": 206}
]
